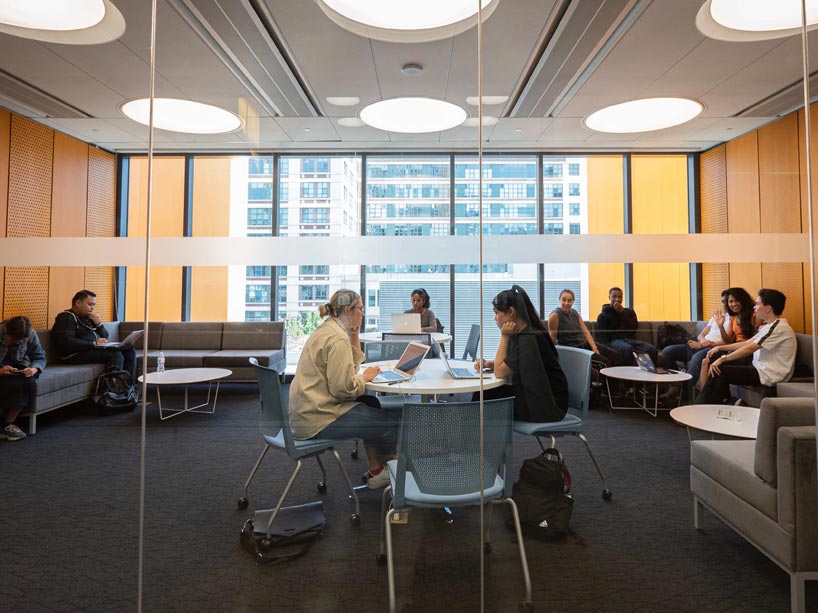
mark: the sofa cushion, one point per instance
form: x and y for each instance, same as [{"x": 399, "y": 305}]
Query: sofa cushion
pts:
[
  {"x": 234, "y": 358},
  {"x": 179, "y": 358},
  {"x": 730, "y": 463},
  {"x": 803, "y": 357},
  {"x": 795, "y": 389},
  {"x": 51, "y": 356},
  {"x": 778, "y": 413},
  {"x": 752, "y": 395},
  {"x": 56, "y": 377},
  {"x": 253, "y": 335},
  {"x": 154, "y": 336},
  {"x": 191, "y": 335}
]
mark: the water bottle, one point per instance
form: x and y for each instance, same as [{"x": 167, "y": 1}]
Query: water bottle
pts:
[{"x": 160, "y": 362}]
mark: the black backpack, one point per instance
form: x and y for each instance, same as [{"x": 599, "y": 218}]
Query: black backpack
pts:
[
  {"x": 115, "y": 391},
  {"x": 543, "y": 497},
  {"x": 671, "y": 334}
]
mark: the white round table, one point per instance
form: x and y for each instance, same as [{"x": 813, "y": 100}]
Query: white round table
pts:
[
  {"x": 437, "y": 337},
  {"x": 636, "y": 374},
  {"x": 432, "y": 378},
  {"x": 187, "y": 376},
  {"x": 728, "y": 420}
]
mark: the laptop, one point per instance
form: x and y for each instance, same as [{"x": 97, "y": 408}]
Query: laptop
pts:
[
  {"x": 125, "y": 342},
  {"x": 406, "y": 323},
  {"x": 406, "y": 366},
  {"x": 644, "y": 362},
  {"x": 459, "y": 372}
]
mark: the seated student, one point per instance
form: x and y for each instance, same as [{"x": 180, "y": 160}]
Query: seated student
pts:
[
  {"x": 79, "y": 337},
  {"x": 420, "y": 305},
  {"x": 327, "y": 393},
  {"x": 617, "y": 325},
  {"x": 567, "y": 328},
  {"x": 526, "y": 354},
  {"x": 22, "y": 359},
  {"x": 772, "y": 349}
]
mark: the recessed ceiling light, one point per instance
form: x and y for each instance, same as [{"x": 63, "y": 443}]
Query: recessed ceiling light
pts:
[
  {"x": 350, "y": 122},
  {"x": 473, "y": 122},
  {"x": 487, "y": 100},
  {"x": 747, "y": 20},
  {"x": 79, "y": 22},
  {"x": 518, "y": 129},
  {"x": 401, "y": 21},
  {"x": 413, "y": 115},
  {"x": 412, "y": 70},
  {"x": 182, "y": 116},
  {"x": 343, "y": 100},
  {"x": 643, "y": 115}
]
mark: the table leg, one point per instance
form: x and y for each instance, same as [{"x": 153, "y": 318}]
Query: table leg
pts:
[{"x": 172, "y": 412}]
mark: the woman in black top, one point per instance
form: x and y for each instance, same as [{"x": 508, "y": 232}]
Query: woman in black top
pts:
[{"x": 528, "y": 357}]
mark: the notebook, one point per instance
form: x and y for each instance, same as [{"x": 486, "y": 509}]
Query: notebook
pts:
[
  {"x": 406, "y": 366},
  {"x": 406, "y": 323},
  {"x": 459, "y": 372},
  {"x": 644, "y": 362},
  {"x": 125, "y": 342}
]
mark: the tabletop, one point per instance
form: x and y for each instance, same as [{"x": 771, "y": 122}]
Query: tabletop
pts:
[
  {"x": 739, "y": 421},
  {"x": 433, "y": 378},
  {"x": 634, "y": 373},
  {"x": 437, "y": 337},
  {"x": 180, "y": 376}
]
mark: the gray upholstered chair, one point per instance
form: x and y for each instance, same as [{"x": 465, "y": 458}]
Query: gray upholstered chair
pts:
[{"x": 766, "y": 489}]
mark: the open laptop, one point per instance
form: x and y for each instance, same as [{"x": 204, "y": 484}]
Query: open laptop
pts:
[
  {"x": 644, "y": 362},
  {"x": 406, "y": 323},
  {"x": 459, "y": 372},
  {"x": 406, "y": 366},
  {"x": 125, "y": 342}
]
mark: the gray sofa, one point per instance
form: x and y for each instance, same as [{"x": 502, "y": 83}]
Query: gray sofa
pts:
[{"x": 766, "y": 489}]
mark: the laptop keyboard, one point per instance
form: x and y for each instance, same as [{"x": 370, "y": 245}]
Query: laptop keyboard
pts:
[
  {"x": 463, "y": 372},
  {"x": 388, "y": 375}
]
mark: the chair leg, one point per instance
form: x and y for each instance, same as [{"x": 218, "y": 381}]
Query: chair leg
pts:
[
  {"x": 357, "y": 514},
  {"x": 323, "y": 473},
  {"x": 521, "y": 544},
  {"x": 390, "y": 567},
  {"x": 487, "y": 543},
  {"x": 283, "y": 497},
  {"x": 697, "y": 513},
  {"x": 606, "y": 493},
  {"x": 386, "y": 491},
  {"x": 797, "y": 598},
  {"x": 255, "y": 468}
]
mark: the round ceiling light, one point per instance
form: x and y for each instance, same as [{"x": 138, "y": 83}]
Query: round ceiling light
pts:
[
  {"x": 79, "y": 22},
  {"x": 748, "y": 20},
  {"x": 643, "y": 115},
  {"x": 398, "y": 21},
  {"x": 413, "y": 115},
  {"x": 182, "y": 116}
]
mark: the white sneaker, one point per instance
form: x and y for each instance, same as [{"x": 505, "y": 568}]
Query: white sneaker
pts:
[
  {"x": 12, "y": 432},
  {"x": 380, "y": 480}
]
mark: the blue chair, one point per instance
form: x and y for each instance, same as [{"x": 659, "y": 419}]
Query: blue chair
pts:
[
  {"x": 275, "y": 429},
  {"x": 576, "y": 364},
  {"x": 472, "y": 343},
  {"x": 439, "y": 466}
]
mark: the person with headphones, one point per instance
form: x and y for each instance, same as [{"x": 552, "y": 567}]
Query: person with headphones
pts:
[
  {"x": 420, "y": 305},
  {"x": 327, "y": 393}
]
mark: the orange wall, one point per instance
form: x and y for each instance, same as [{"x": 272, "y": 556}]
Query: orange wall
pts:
[{"x": 606, "y": 215}]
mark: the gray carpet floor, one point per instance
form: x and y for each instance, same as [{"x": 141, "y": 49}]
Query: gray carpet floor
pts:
[{"x": 70, "y": 494}]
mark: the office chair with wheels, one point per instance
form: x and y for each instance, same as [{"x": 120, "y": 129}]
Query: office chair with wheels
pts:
[
  {"x": 375, "y": 351},
  {"x": 275, "y": 429},
  {"x": 439, "y": 465},
  {"x": 472, "y": 343},
  {"x": 424, "y": 338},
  {"x": 576, "y": 364}
]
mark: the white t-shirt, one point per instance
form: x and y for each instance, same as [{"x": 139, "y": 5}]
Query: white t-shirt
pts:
[
  {"x": 775, "y": 359},
  {"x": 714, "y": 335}
]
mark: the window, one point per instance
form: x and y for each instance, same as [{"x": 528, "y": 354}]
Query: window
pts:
[
  {"x": 257, "y": 294},
  {"x": 283, "y": 192},
  {"x": 257, "y": 271},
  {"x": 260, "y": 217},
  {"x": 573, "y": 189},
  {"x": 260, "y": 191},
  {"x": 314, "y": 292},
  {"x": 283, "y": 167},
  {"x": 314, "y": 215},
  {"x": 573, "y": 170},
  {"x": 372, "y": 298},
  {"x": 552, "y": 209},
  {"x": 283, "y": 217},
  {"x": 260, "y": 166},
  {"x": 315, "y": 189},
  {"x": 315, "y": 165},
  {"x": 257, "y": 316},
  {"x": 552, "y": 190},
  {"x": 573, "y": 208},
  {"x": 314, "y": 270},
  {"x": 552, "y": 228},
  {"x": 552, "y": 171},
  {"x": 573, "y": 228}
]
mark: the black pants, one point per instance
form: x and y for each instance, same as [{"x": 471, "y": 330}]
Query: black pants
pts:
[
  {"x": 16, "y": 391},
  {"x": 113, "y": 359},
  {"x": 717, "y": 389}
]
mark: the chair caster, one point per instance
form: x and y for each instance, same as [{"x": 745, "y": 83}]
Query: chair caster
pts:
[
  {"x": 242, "y": 503},
  {"x": 381, "y": 559},
  {"x": 355, "y": 520},
  {"x": 526, "y": 607},
  {"x": 322, "y": 487},
  {"x": 354, "y": 454},
  {"x": 486, "y": 548},
  {"x": 249, "y": 525},
  {"x": 607, "y": 495},
  {"x": 265, "y": 545}
]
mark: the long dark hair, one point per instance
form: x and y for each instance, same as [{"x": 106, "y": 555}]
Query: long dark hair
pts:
[
  {"x": 517, "y": 297},
  {"x": 745, "y": 315}
]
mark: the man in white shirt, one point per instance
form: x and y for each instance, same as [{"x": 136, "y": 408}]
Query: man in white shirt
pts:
[{"x": 772, "y": 348}]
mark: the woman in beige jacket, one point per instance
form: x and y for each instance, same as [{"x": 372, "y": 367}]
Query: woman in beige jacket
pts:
[{"x": 327, "y": 398}]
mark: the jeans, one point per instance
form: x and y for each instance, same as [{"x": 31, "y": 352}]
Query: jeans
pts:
[
  {"x": 627, "y": 346},
  {"x": 717, "y": 389},
  {"x": 367, "y": 421},
  {"x": 15, "y": 391},
  {"x": 113, "y": 359}
]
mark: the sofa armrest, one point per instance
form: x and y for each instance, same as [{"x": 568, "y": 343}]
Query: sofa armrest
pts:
[
  {"x": 777, "y": 413},
  {"x": 797, "y": 493}
]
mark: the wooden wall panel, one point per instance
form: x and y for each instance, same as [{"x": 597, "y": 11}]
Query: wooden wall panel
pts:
[
  {"x": 101, "y": 194},
  {"x": 778, "y": 174},
  {"x": 805, "y": 208},
  {"x": 25, "y": 289},
  {"x": 70, "y": 186},
  {"x": 30, "y": 171},
  {"x": 5, "y": 136},
  {"x": 166, "y": 294},
  {"x": 747, "y": 276},
  {"x": 211, "y": 196},
  {"x": 606, "y": 215},
  {"x": 100, "y": 280},
  {"x": 208, "y": 293},
  {"x": 715, "y": 279},
  {"x": 661, "y": 291},
  {"x": 787, "y": 278},
  {"x": 63, "y": 283},
  {"x": 743, "y": 214},
  {"x": 713, "y": 200}
]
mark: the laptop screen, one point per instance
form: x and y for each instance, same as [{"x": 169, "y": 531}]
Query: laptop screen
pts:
[
  {"x": 644, "y": 362},
  {"x": 412, "y": 357},
  {"x": 407, "y": 323}
]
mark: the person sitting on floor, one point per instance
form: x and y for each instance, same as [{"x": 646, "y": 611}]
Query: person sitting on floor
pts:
[
  {"x": 22, "y": 359},
  {"x": 566, "y": 327},
  {"x": 327, "y": 393},
  {"x": 772, "y": 349},
  {"x": 80, "y": 338},
  {"x": 526, "y": 354},
  {"x": 617, "y": 325}
]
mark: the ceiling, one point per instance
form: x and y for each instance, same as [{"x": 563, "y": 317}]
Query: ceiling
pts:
[{"x": 275, "y": 63}]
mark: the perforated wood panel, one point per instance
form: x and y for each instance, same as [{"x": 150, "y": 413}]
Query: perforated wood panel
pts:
[
  {"x": 715, "y": 279},
  {"x": 5, "y": 132},
  {"x": 100, "y": 280},
  {"x": 31, "y": 158},
  {"x": 101, "y": 193},
  {"x": 788, "y": 278},
  {"x": 742, "y": 184},
  {"x": 25, "y": 290},
  {"x": 713, "y": 191},
  {"x": 779, "y": 180}
]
